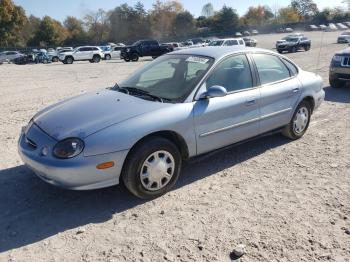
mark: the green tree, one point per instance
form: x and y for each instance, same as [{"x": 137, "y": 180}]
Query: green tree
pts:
[
  {"x": 75, "y": 30},
  {"x": 183, "y": 24},
  {"x": 12, "y": 21},
  {"x": 49, "y": 33},
  {"x": 226, "y": 20},
  {"x": 257, "y": 16},
  {"x": 129, "y": 23}
]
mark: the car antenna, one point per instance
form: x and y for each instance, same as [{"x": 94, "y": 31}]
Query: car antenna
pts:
[{"x": 319, "y": 54}]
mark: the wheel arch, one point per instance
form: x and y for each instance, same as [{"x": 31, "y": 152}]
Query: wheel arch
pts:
[
  {"x": 172, "y": 136},
  {"x": 310, "y": 100}
]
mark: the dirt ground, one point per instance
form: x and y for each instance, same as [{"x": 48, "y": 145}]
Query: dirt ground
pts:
[{"x": 285, "y": 201}]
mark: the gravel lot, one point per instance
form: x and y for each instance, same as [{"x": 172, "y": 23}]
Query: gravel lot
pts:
[{"x": 283, "y": 200}]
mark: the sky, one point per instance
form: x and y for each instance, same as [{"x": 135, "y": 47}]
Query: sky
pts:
[{"x": 79, "y": 8}]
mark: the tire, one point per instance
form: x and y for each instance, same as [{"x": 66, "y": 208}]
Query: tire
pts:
[
  {"x": 294, "y": 49},
  {"x": 69, "y": 60},
  {"x": 307, "y": 48},
  {"x": 108, "y": 57},
  {"x": 291, "y": 130},
  {"x": 134, "y": 57},
  {"x": 96, "y": 59},
  {"x": 126, "y": 59},
  {"x": 336, "y": 83},
  {"x": 55, "y": 59},
  {"x": 135, "y": 165},
  {"x": 280, "y": 51},
  {"x": 45, "y": 61}
]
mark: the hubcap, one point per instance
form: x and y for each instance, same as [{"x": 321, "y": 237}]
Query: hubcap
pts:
[
  {"x": 157, "y": 170},
  {"x": 300, "y": 120}
]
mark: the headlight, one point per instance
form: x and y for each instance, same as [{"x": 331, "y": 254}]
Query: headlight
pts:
[
  {"x": 337, "y": 58},
  {"x": 68, "y": 148}
]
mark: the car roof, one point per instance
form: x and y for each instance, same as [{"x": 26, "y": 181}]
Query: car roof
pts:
[{"x": 217, "y": 52}]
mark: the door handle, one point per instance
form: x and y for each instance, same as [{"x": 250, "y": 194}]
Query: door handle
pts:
[
  {"x": 296, "y": 90},
  {"x": 250, "y": 102}
]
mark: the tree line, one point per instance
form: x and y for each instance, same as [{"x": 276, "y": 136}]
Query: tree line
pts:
[{"x": 165, "y": 20}]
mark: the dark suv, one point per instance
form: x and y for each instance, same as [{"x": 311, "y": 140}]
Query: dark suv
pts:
[
  {"x": 143, "y": 48},
  {"x": 293, "y": 43},
  {"x": 339, "y": 71}
]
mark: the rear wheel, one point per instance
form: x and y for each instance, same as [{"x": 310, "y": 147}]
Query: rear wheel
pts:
[
  {"x": 307, "y": 48},
  {"x": 300, "y": 121},
  {"x": 126, "y": 59},
  {"x": 69, "y": 60},
  {"x": 55, "y": 59},
  {"x": 108, "y": 57},
  {"x": 152, "y": 168}
]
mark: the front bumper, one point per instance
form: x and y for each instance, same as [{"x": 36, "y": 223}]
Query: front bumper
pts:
[
  {"x": 79, "y": 173},
  {"x": 339, "y": 72}
]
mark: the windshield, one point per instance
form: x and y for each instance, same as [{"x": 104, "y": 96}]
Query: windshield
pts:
[
  {"x": 136, "y": 43},
  {"x": 170, "y": 77},
  {"x": 291, "y": 39},
  {"x": 216, "y": 43}
]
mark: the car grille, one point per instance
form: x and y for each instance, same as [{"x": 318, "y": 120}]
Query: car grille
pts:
[{"x": 346, "y": 61}]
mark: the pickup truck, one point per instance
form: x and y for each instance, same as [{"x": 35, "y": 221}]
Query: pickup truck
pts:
[{"x": 143, "y": 48}]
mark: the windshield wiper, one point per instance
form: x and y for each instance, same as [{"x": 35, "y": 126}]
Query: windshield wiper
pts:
[{"x": 138, "y": 91}]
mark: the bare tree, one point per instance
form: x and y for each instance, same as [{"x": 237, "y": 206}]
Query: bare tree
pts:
[{"x": 208, "y": 10}]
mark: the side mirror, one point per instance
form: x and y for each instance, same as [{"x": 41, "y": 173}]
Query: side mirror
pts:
[{"x": 214, "y": 91}]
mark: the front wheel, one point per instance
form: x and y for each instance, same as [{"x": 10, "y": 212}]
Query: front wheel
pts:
[
  {"x": 134, "y": 57},
  {"x": 108, "y": 57},
  {"x": 152, "y": 168},
  {"x": 96, "y": 59},
  {"x": 69, "y": 60},
  {"x": 300, "y": 121},
  {"x": 294, "y": 49}
]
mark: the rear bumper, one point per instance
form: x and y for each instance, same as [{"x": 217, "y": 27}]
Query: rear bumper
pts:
[{"x": 79, "y": 173}]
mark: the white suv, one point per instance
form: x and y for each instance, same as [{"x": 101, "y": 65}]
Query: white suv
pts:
[
  {"x": 228, "y": 42},
  {"x": 93, "y": 54}
]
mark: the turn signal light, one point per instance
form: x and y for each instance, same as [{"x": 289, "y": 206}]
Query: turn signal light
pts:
[{"x": 105, "y": 165}]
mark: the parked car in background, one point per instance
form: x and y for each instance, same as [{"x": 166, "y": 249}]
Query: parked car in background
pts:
[
  {"x": 293, "y": 43},
  {"x": 250, "y": 41},
  {"x": 238, "y": 34},
  {"x": 289, "y": 30},
  {"x": 10, "y": 56},
  {"x": 54, "y": 54},
  {"x": 174, "y": 45},
  {"x": 246, "y": 33},
  {"x": 341, "y": 26},
  {"x": 344, "y": 38},
  {"x": 255, "y": 32},
  {"x": 312, "y": 28},
  {"x": 228, "y": 42},
  {"x": 197, "y": 41},
  {"x": 93, "y": 54},
  {"x": 323, "y": 27},
  {"x": 332, "y": 27},
  {"x": 339, "y": 70},
  {"x": 106, "y": 50},
  {"x": 181, "y": 105},
  {"x": 42, "y": 57},
  {"x": 115, "y": 52},
  {"x": 143, "y": 48}
]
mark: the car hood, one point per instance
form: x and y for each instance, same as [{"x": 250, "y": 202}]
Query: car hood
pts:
[
  {"x": 346, "y": 51},
  {"x": 86, "y": 114}
]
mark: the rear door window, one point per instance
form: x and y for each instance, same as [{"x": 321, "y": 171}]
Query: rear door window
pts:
[{"x": 270, "y": 68}]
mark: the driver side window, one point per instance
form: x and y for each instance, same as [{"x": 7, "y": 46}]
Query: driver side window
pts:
[{"x": 233, "y": 73}]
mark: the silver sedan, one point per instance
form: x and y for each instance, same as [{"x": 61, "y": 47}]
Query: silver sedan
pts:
[{"x": 181, "y": 105}]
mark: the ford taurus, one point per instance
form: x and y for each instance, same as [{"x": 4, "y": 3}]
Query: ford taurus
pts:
[{"x": 183, "y": 104}]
